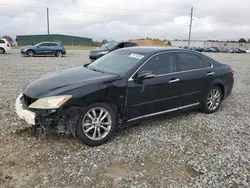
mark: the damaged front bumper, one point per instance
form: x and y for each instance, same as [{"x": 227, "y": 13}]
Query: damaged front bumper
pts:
[
  {"x": 23, "y": 112},
  {"x": 62, "y": 121}
]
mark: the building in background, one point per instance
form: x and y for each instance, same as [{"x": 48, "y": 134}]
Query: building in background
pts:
[{"x": 64, "y": 39}]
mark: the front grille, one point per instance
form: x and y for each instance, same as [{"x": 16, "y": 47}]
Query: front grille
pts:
[{"x": 27, "y": 100}]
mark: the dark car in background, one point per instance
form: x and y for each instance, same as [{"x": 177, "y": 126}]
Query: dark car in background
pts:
[
  {"x": 44, "y": 48},
  {"x": 124, "y": 86},
  {"x": 232, "y": 50},
  {"x": 207, "y": 50},
  {"x": 240, "y": 50},
  {"x": 216, "y": 48},
  {"x": 224, "y": 50},
  {"x": 109, "y": 47},
  {"x": 213, "y": 50}
]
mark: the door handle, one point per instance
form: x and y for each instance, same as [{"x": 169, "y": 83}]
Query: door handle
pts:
[
  {"x": 210, "y": 73},
  {"x": 174, "y": 80}
]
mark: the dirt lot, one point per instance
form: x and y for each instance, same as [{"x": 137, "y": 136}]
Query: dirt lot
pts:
[{"x": 186, "y": 150}]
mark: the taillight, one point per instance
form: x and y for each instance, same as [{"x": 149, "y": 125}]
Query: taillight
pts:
[
  {"x": 232, "y": 70},
  {"x": 8, "y": 45}
]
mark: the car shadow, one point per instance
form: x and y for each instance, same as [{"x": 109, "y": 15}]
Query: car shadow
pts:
[{"x": 164, "y": 118}]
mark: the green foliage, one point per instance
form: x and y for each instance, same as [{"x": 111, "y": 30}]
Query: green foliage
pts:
[
  {"x": 8, "y": 38},
  {"x": 104, "y": 41}
]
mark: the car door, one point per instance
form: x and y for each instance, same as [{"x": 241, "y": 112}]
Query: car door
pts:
[
  {"x": 156, "y": 94},
  {"x": 42, "y": 49},
  {"x": 195, "y": 78},
  {"x": 52, "y": 47}
]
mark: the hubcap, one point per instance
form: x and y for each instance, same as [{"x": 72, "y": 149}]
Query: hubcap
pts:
[
  {"x": 96, "y": 123},
  {"x": 1, "y": 51},
  {"x": 31, "y": 53},
  {"x": 59, "y": 54},
  {"x": 213, "y": 99}
]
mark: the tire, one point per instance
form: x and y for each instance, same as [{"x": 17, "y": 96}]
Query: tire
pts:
[
  {"x": 30, "y": 53},
  {"x": 212, "y": 100},
  {"x": 96, "y": 132},
  {"x": 58, "y": 54},
  {"x": 2, "y": 51}
]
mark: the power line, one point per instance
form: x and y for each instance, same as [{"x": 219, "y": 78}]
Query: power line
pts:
[
  {"x": 97, "y": 13},
  {"x": 88, "y": 22},
  {"x": 112, "y": 8},
  {"x": 84, "y": 5}
]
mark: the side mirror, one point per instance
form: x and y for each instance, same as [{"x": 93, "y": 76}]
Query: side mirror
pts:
[{"x": 145, "y": 75}]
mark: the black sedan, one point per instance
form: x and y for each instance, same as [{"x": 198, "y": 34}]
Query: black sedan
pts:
[
  {"x": 109, "y": 47},
  {"x": 126, "y": 85}
]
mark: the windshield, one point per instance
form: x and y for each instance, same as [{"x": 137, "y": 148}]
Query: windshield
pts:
[
  {"x": 38, "y": 44},
  {"x": 109, "y": 45},
  {"x": 117, "y": 62}
]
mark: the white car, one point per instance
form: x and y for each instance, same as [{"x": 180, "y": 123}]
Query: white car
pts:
[
  {"x": 247, "y": 50},
  {"x": 4, "y": 46}
]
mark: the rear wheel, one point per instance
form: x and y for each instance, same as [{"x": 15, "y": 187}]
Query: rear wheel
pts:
[
  {"x": 30, "y": 53},
  {"x": 212, "y": 100},
  {"x": 58, "y": 54},
  {"x": 2, "y": 51},
  {"x": 96, "y": 125}
]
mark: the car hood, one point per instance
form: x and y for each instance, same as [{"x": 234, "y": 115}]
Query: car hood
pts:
[
  {"x": 26, "y": 47},
  {"x": 59, "y": 82}
]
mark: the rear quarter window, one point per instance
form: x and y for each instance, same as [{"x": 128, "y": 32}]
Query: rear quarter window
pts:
[
  {"x": 189, "y": 61},
  {"x": 2, "y": 41}
]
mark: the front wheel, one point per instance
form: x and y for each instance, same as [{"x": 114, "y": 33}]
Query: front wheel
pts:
[
  {"x": 30, "y": 53},
  {"x": 96, "y": 124},
  {"x": 212, "y": 100}
]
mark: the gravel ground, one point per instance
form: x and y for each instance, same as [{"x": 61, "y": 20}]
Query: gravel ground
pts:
[{"x": 183, "y": 150}]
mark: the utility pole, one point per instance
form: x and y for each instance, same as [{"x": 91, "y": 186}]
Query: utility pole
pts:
[
  {"x": 190, "y": 26},
  {"x": 48, "y": 19}
]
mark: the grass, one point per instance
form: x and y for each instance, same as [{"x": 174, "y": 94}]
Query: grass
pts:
[{"x": 67, "y": 47}]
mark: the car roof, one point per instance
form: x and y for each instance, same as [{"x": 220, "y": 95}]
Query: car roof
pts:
[
  {"x": 147, "y": 50},
  {"x": 48, "y": 42}
]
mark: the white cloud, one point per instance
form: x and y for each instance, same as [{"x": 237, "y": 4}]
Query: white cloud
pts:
[{"x": 127, "y": 19}]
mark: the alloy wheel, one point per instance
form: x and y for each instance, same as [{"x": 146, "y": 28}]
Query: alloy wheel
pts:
[
  {"x": 1, "y": 51},
  {"x": 58, "y": 54},
  {"x": 96, "y": 123},
  {"x": 213, "y": 100},
  {"x": 30, "y": 53}
]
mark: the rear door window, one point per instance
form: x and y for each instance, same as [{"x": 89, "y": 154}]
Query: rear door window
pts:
[
  {"x": 43, "y": 44},
  {"x": 121, "y": 45},
  {"x": 188, "y": 61},
  {"x": 53, "y": 44},
  {"x": 2, "y": 41},
  {"x": 161, "y": 64}
]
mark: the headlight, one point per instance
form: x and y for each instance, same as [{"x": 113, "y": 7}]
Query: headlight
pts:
[
  {"x": 103, "y": 53},
  {"x": 50, "y": 102}
]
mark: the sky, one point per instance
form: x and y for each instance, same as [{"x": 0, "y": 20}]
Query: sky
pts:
[{"x": 128, "y": 19}]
